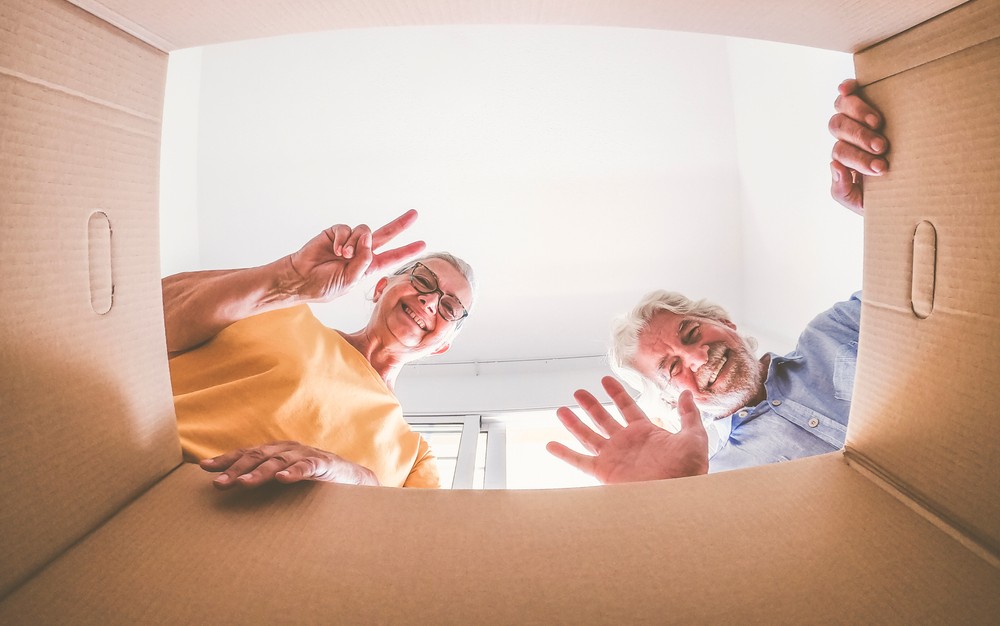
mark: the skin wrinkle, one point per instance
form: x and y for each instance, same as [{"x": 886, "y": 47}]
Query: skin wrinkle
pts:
[{"x": 692, "y": 348}]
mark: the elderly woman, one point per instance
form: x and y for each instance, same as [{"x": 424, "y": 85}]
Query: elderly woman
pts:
[{"x": 250, "y": 364}]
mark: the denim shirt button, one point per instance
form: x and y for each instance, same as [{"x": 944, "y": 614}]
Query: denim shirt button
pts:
[
  {"x": 813, "y": 423},
  {"x": 744, "y": 413},
  {"x": 776, "y": 402}
]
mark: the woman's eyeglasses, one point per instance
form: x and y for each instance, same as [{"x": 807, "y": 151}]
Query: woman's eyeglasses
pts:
[{"x": 425, "y": 281}]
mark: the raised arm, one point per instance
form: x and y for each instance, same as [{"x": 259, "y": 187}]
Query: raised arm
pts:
[{"x": 197, "y": 305}]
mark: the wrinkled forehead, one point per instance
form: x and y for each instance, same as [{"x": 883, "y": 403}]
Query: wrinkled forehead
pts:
[
  {"x": 657, "y": 337},
  {"x": 450, "y": 279}
]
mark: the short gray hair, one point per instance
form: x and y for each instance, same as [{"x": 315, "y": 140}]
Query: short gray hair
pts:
[
  {"x": 625, "y": 330},
  {"x": 464, "y": 269}
]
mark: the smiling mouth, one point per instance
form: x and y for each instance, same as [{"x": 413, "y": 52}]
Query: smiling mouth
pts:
[
  {"x": 723, "y": 359},
  {"x": 416, "y": 319}
]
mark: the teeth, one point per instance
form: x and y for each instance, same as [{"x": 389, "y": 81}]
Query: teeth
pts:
[
  {"x": 414, "y": 317},
  {"x": 715, "y": 375}
]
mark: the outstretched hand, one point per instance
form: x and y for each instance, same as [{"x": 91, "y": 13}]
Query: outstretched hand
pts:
[
  {"x": 860, "y": 148},
  {"x": 637, "y": 451},
  {"x": 284, "y": 462},
  {"x": 331, "y": 263}
]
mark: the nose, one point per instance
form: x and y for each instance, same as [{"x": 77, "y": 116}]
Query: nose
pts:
[
  {"x": 695, "y": 356},
  {"x": 430, "y": 301}
]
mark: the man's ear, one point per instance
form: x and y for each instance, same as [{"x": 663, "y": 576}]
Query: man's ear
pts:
[
  {"x": 379, "y": 288},
  {"x": 729, "y": 324},
  {"x": 443, "y": 348}
]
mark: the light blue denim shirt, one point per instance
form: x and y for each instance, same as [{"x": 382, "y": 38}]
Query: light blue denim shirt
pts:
[{"x": 808, "y": 397}]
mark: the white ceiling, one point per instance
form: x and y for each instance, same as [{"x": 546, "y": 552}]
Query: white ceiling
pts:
[{"x": 575, "y": 168}]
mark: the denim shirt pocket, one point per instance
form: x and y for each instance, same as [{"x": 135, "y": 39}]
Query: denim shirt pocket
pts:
[{"x": 843, "y": 371}]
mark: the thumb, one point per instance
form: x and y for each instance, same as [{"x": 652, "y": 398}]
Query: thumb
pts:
[{"x": 690, "y": 415}]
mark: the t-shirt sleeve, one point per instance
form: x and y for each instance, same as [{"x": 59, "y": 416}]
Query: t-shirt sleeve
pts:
[{"x": 424, "y": 474}]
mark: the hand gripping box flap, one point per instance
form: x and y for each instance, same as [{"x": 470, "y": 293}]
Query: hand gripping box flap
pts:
[
  {"x": 84, "y": 394},
  {"x": 926, "y": 399}
]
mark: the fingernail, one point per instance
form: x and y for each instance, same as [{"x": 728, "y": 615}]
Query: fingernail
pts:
[
  {"x": 282, "y": 473},
  {"x": 872, "y": 121},
  {"x": 348, "y": 252},
  {"x": 222, "y": 479},
  {"x": 878, "y": 166},
  {"x": 244, "y": 478},
  {"x": 836, "y": 174},
  {"x": 878, "y": 145}
]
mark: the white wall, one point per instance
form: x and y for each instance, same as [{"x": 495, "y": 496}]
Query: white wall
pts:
[
  {"x": 573, "y": 167},
  {"x": 179, "y": 231},
  {"x": 802, "y": 250}
]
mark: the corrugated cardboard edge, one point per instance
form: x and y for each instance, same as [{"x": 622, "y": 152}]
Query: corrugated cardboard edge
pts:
[
  {"x": 847, "y": 25},
  {"x": 123, "y": 23},
  {"x": 861, "y": 465},
  {"x": 962, "y": 27}
]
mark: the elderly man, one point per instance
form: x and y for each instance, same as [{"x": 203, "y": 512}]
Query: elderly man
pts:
[{"x": 691, "y": 353}]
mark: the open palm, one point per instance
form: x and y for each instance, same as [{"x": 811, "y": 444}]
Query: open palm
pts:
[{"x": 637, "y": 451}]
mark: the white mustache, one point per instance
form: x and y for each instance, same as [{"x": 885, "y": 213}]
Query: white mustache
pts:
[{"x": 714, "y": 361}]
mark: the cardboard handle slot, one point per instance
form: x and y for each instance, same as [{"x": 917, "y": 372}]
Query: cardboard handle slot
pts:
[
  {"x": 102, "y": 286},
  {"x": 924, "y": 269}
]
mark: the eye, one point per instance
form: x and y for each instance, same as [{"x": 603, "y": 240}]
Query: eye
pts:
[
  {"x": 675, "y": 367},
  {"x": 448, "y": 310},
  {"x": 690, "y": 332},
  {"x": 423, "y": 284}
]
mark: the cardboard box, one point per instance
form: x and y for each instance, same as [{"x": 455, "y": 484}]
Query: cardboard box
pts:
[{"x": 102, "y": 523}]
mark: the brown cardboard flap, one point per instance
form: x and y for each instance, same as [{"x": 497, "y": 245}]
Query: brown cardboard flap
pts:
[
  {"x": 805, "y": 542},
  {"x": 848, "y": 25},
  {"x": 926, "y": 396},
  {"x": 85, "y": 406},
  {"x": 970, "y": 24}
]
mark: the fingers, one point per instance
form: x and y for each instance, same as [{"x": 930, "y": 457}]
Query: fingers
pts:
[
  {"x": 848, "y": 86},
  {"x": 846, "y": 187},
  {"x": 858, "y": 159},
  {"x": 607, "y": 424},
  {"x": 581, "y": 462},
  {"x": 584, "y": 434},
  {"x": 688, "y": 410},
  {"x": 395, "y": 256},
  {"x": 855, "y": 107},
  {"x": 339, "y": 235},
  {"x": 353, "y": 246},
  {"x": 857, "y": 134},
  {"x": 630, "y": 410},
  {"x": 250, "y": 467},
  {"x": 383, "y": 235}
]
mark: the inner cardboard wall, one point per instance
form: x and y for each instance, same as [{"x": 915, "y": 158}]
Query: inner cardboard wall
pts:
[{"x": 87, "y": 413}]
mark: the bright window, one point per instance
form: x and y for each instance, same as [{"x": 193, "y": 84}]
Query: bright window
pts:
[{"x": 502, "y": 451}]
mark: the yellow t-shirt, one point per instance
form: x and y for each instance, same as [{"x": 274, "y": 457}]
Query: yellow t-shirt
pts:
[{"x": 283, "y": 375}]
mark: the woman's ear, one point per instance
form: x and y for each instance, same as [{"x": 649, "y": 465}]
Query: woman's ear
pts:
[
  {"x": 379, "y": 288},
  {"x": 729, "y": 324}
]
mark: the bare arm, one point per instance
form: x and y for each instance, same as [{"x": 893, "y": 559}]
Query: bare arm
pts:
[{"x": 198, "y": 305}]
